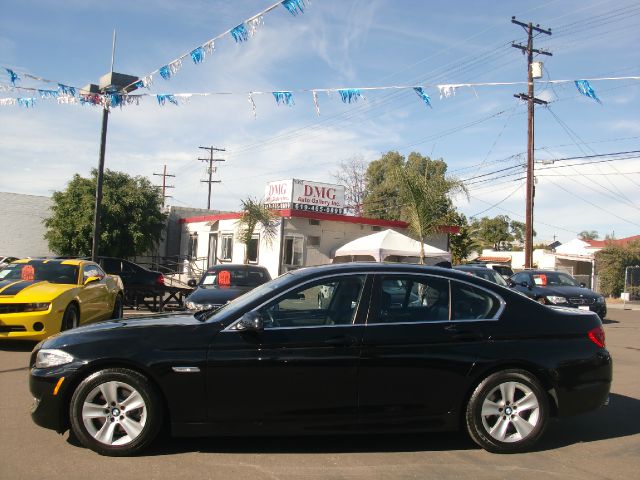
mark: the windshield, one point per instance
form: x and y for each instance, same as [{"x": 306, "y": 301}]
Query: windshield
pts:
[
  {"x": 54, "y": 272},
  {"x": 234, "y": 278},
  {"x": 251, "y": 296},
  {"x": 554, "y": 278}
]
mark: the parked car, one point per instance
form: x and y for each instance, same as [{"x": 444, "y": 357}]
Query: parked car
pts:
[
  {"x": 558, "y": 288},
  {"x": 132, "y": 274},
  {"x": 41, "y": 297},
  {"x": 4, "y": 261},
  {"x": 223, "y": 283},
  {"x": 483, "y": 272},
  {"x": 503, "y": 269},
  {"x": 467, "y": 353}
]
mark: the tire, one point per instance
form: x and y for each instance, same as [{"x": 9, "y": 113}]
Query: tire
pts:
[
  {"x": 115, "y": 412},
  {"x": 70, "y": 317},
  {"x": 117, "y": 308},
  {"x": 494, "y": 423}
]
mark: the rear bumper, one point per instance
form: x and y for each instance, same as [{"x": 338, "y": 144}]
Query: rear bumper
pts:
[{"x": 590, "y": 391}]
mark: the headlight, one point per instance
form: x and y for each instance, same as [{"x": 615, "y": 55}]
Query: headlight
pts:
[
  {"x": 200, "y": 306},
  {"x": 52, "y": 358},
  {"x": 190, "y": 305},
  {"x": 556, "y": 300},
  {"x": 24, "y": 307}
]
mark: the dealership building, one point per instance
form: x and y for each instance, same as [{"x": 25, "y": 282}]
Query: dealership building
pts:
[{"x": 312, "y": 224}]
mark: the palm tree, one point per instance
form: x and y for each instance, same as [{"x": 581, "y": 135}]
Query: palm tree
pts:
[
  {"x": 426, "y": 200},
  {"x": 254, "y": 212}
]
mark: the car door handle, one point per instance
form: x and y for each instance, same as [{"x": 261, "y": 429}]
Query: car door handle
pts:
[
  {"x": 461, "y": 334},
  {"x": 342, "y": 341}
]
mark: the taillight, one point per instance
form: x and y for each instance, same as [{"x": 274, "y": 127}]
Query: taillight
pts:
[
  {"x": 160, "y": 279},
  {"x": 596, "y": 335}
]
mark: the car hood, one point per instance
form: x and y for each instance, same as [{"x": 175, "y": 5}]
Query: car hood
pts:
[
  {"x": 157, "y": 331},
  {"x": 31, "y": 290},
  {"x": 216, "y": 295},
  {"x": 568, "y": 291}
]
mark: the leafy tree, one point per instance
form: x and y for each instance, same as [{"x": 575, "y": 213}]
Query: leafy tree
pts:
[
  {"x": 588, "y": 235},
  {"x": 494, "y": 231},
  {"x": 352, "y": 174},
  {"x": 131, "y": 217},
  {"x": 425, "y": 197},
  {"x": 611, "y": 263},
  {"x": 254, "y": 212},
  {"x": 464, "y": 242},
  {"x": 382, "y": 197}
]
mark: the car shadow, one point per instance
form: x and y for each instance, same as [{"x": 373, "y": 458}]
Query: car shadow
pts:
[
  {"x": 613, "y": 421},
  {"x": 17, "y": 345},
  {"x": 315, "y": 444},
  {"x": 607, "y": 422},
  {"x": 607, "y": 321}
]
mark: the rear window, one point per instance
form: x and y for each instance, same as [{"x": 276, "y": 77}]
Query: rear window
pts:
[{"x": 234, "y": 278}]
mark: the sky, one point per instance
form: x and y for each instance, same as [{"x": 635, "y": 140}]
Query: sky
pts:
[{"x": 481, "y": 131}]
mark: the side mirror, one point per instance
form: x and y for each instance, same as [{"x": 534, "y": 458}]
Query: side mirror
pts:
[
  {"x": 583, "y": 285},
  {"x": 510, "y": 282},
  {"x": 192, "y": 283},
  {"x": 250, "y": 321},
  {"x": 92, "y": 279}
]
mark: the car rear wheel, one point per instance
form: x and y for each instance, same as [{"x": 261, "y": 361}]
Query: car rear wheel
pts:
[
  {"x": 507, "y": 412},
  {"x": 115, "y": 412},
  {"x": 117, "y": 308},
  {"x": 70, "y": 318}
]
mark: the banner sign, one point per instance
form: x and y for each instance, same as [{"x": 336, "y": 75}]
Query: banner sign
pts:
[{"x": 305, "y": 195}]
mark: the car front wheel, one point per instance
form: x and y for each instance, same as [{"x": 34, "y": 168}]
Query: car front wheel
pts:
[
  {"x": 115, "y": 412},
  {"x": 507, "y": 412}
]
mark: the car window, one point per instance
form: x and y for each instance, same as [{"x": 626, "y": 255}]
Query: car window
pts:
[
  {"x": 53, "y": 272},
  {"x": 521, "y": 277},
  {"x": 234, "y": 278},
  {"x": 404, "y": 298},
  {"x": 329, "y": 302},
  {"x": 112, "y": 265},
  {"x": 472, "y": 303},
  {"x": 92, "y": 271}
]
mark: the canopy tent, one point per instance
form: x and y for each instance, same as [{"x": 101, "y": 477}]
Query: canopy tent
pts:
[{"x": 389, "y": 246}]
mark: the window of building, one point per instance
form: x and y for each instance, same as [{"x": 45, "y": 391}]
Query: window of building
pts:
[
  {"x": 192, "y": 247},
  {"x": 252, "y": 249},
  {"x": 226, "y": 249},
  {"x": 313, "y": 241},
  {"x": 293, "y": 252},
  {"x": 313, "y": 221}
]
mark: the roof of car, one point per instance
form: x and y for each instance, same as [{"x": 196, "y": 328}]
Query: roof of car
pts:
[
  {"x": 473, "y": 267},
  {"x": 64, "y": 261}
]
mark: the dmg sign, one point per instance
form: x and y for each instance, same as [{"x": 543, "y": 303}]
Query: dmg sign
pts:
[{"x": 305, "y": 195}]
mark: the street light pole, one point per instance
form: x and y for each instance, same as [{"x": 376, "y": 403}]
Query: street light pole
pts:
[{"x": 99, "y": 181}]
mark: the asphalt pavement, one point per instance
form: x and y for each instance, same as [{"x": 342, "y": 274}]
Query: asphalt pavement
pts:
[{"x": 602, "y": 444}]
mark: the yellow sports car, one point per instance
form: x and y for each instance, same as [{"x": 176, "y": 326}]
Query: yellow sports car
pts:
[{"x": 41, "y": 297}]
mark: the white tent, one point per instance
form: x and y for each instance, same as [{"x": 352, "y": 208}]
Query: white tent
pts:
[{"x": 389, "y": 246}]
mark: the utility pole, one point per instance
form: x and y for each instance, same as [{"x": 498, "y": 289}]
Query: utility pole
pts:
[
  {"x": 164, "y": 176},
  {"x": 211, "y": 169},
  {"x": 531, "y": 101}
]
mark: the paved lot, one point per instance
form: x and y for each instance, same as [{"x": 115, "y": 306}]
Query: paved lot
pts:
[{"x": 603, "y": 444}]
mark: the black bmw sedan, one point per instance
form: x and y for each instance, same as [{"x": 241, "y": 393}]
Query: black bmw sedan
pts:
[
  {"x": 452, "y": 351},
  {"x": 558, "y": 288}
]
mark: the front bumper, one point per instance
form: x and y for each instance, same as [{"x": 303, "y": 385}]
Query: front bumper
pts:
[
  {"x": 50, "y": 408},
  {"x": 30, "y": 326}
]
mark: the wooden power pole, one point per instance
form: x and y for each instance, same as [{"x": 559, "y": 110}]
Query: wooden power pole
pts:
[
  {"x": 164, "y": 176},
  {"x": 211, "y": 169},
  {"x": 531, "y": 101}
]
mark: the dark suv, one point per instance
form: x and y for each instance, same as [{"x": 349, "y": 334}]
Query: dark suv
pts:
[
  {"x": 558, "y": 288},
  {"x": 132, "y": 274}
]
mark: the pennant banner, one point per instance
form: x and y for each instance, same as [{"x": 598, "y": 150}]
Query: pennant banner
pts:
[
  {"x": 422, "y": 94},
  {"x": 585, "y": 89},
  {"x": 284, "y": 98}
]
